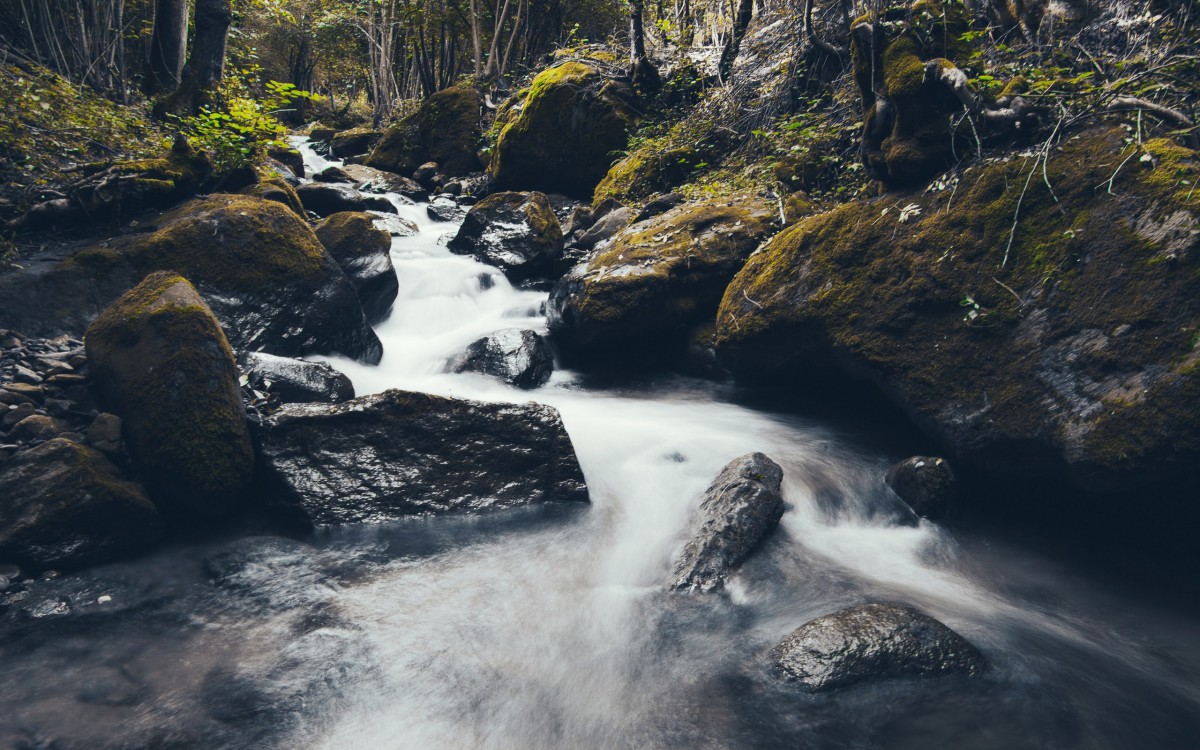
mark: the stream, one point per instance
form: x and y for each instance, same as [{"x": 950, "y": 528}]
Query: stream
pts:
[{"x": 552, "y": 628}]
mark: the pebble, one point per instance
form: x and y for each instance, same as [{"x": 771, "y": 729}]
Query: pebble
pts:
[
  {"x": 16, "y": 414},
  {"x": 25, "y": 375}
]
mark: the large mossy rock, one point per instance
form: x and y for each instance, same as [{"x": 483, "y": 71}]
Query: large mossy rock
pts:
[
  {"x": 740, "y": 508},
  {"x": 446, "y": 129},
  {"x": 515, "y": 232},
  {"x": 256, "y": 263},
  {"x": 364, "y": 253},
  {"x": 870, "y": 643},
  {"x": 353, "y": 142},
  {"x": 63, "y": 504},
  {"x": 162, "y": 364},
  {"x": 561, "y": 137},
  {"x": 1070, "y": 349},
  {"x": 657, "y": 279},
  {"x": 398, "y": 454}
]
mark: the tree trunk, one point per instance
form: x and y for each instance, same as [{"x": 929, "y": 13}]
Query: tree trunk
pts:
[
  {"x": 168, "y": 45},
  {"x": 637, "y": 35},
  {"x": 745, "y": 12},
  {"x": 205, "y": 66}
]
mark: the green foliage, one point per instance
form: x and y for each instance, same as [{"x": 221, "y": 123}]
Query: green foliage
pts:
[{"x": 238, "y": 132}]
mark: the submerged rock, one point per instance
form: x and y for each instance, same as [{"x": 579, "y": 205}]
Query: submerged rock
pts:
[
  {"x": 398, "y": 454},
  {"x": 520, "y": 358},
  {"x": 925, "y": 483},
  {"x": 256, "y": 263},
  {"x": 515, "y": 232},
  {"x": 364, "y": 253},
  {"x": 294, "y": 380},
  {"x": 656, "y": 280},
  {"x": 741, "y": 506},
  {"x": 869, "y": 643},
  {"x": 1073, "y": 357},
  {"x": 560, "y": 137},
  {"x": 63, "y": 504},
  {"x": 162, "y": 363}
]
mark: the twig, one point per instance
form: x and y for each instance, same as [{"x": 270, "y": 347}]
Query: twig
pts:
[{"x": 1009, "y": 289}]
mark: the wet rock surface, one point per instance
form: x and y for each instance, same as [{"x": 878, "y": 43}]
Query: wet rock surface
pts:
[
  {"x": 294, "y": 380},
  {"x": 870, "y": 643},
  {"x": 324, "y": 199},
  {"x": 444, "y": 207},
  {"x": 518, "y": 357},
  {"x": 925, "y": 483},
  {"x": 740, "y": 508},
  {"x": 515, "y": 232},
  {"x": 364, "y": 253},
  {"x": 399, "y": 454}
]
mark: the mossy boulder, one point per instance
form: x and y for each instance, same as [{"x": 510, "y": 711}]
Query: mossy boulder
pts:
[
  {"x": 562, "y": 136},
  {"x": 657, "y": 279},
  {"x": 1034, "y": 331},
  {"x": 276, "y": 189},
  {"x": 162, "y": 364},
  {"x": 63, "y": 504},
  {"x": 642, "y": 174},
  {"x": 908, "y": 135},
  {"x": 518, "y": 233},
  {"x": 353, "y": 142},
  {"x": 258, "y": 265},
  {"x": 446, "y": 129},
  {"x": 364, "y": 253}
]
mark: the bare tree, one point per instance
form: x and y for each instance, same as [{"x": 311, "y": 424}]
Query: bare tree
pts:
[{"x": 168, "y": 47}]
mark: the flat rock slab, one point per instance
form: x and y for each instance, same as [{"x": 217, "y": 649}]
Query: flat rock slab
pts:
[
  {"x": 398, "y": 454},
  {"x": 872, "y": 642}
]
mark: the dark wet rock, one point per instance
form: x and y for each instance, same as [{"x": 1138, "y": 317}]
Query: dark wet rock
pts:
[
  {"x": 446, "y": 129},
  {"x": 655, "y": 281},
  {"x": 16, "y": 415},
  {"x": 445, "y": 208},
  {"x": 399, "y": 454},
  {"x": 64, "y": 505},
  {"x": 257, "y": 264},
  {"x": 560, "y": 138},
  {"x": 162, "y": 363},
  {"x": 324, "y": 199},
  {"x": 605, "y": 228},
  {"x": 396, "y": 226},
  {"x": 925, "y": 483},
  {"x": 741, "y": 506},
  {"x": 332, "y": 174},
  {"x": 294, "y": 380},
  {"x": 364, "y": 253},
  {"x": 288, "y": 157},
  {"x": 353, "y": 142},
  {"x": 518, "y": 357},
  {"x": 372, "y": 180},
  {"x": 425, "y": 173},
  {"x": 1014, "y": 366},
  {"x": 873, "y": 642},
  {"x": 578, "y": 221},
  {"x": 516, "y": 232}
]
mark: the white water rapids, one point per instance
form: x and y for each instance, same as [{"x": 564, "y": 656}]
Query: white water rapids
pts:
[{"x": 558, "y": 633}]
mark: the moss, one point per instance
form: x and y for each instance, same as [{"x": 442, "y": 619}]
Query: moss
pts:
[
  {"x": 446, "y": 129},
  {"x": 162, "y": 361},
  {"x": 565, "y": 134},
  {"x": 351, "y": 234},
  {"x": 277, "y": 189},
  {"x": 932, "y": 310},
  {"x": 644, "y": 174},
  {"x": 237, "y": 243}
]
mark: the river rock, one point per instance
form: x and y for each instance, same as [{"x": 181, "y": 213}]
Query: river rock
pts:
[
  {"x": 1014, "y": 364},
  {"x": 104, "y": 434},
  {"x": 162, "y": 363},
  {"x": 446, "y": 129},
  {"x": 741, "y": 506},
  {"x": 656, "y": 280},
  {"x": 445, "y": 208},
  {"x": 294, "y": 380},
  {"x": 397, "y": 454},
  {"x": 276, "y": 189},
  {"x": 518, "y": 357},
  {"x": 869, "y": 643},
  {"x": 63, "y": 505},
  {"x": 371, "y": 180},
  {"x": 37, "y": 427},
  {"x": 516, "y": 232},
  {"x": 332, "y": 174},
  {"x": 925, "y": 483},
  {"x": 324, "y": 199},
  {"x": 353, "y": 142},
  {"x": 560, "y": 137},
  {"x": 257, "y": 264},
  {"x": 605, "y": 228},
  {"x": 364, "y": 253}
]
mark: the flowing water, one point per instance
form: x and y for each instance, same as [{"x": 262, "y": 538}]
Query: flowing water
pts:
[{"x": 552, "y": 629}]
